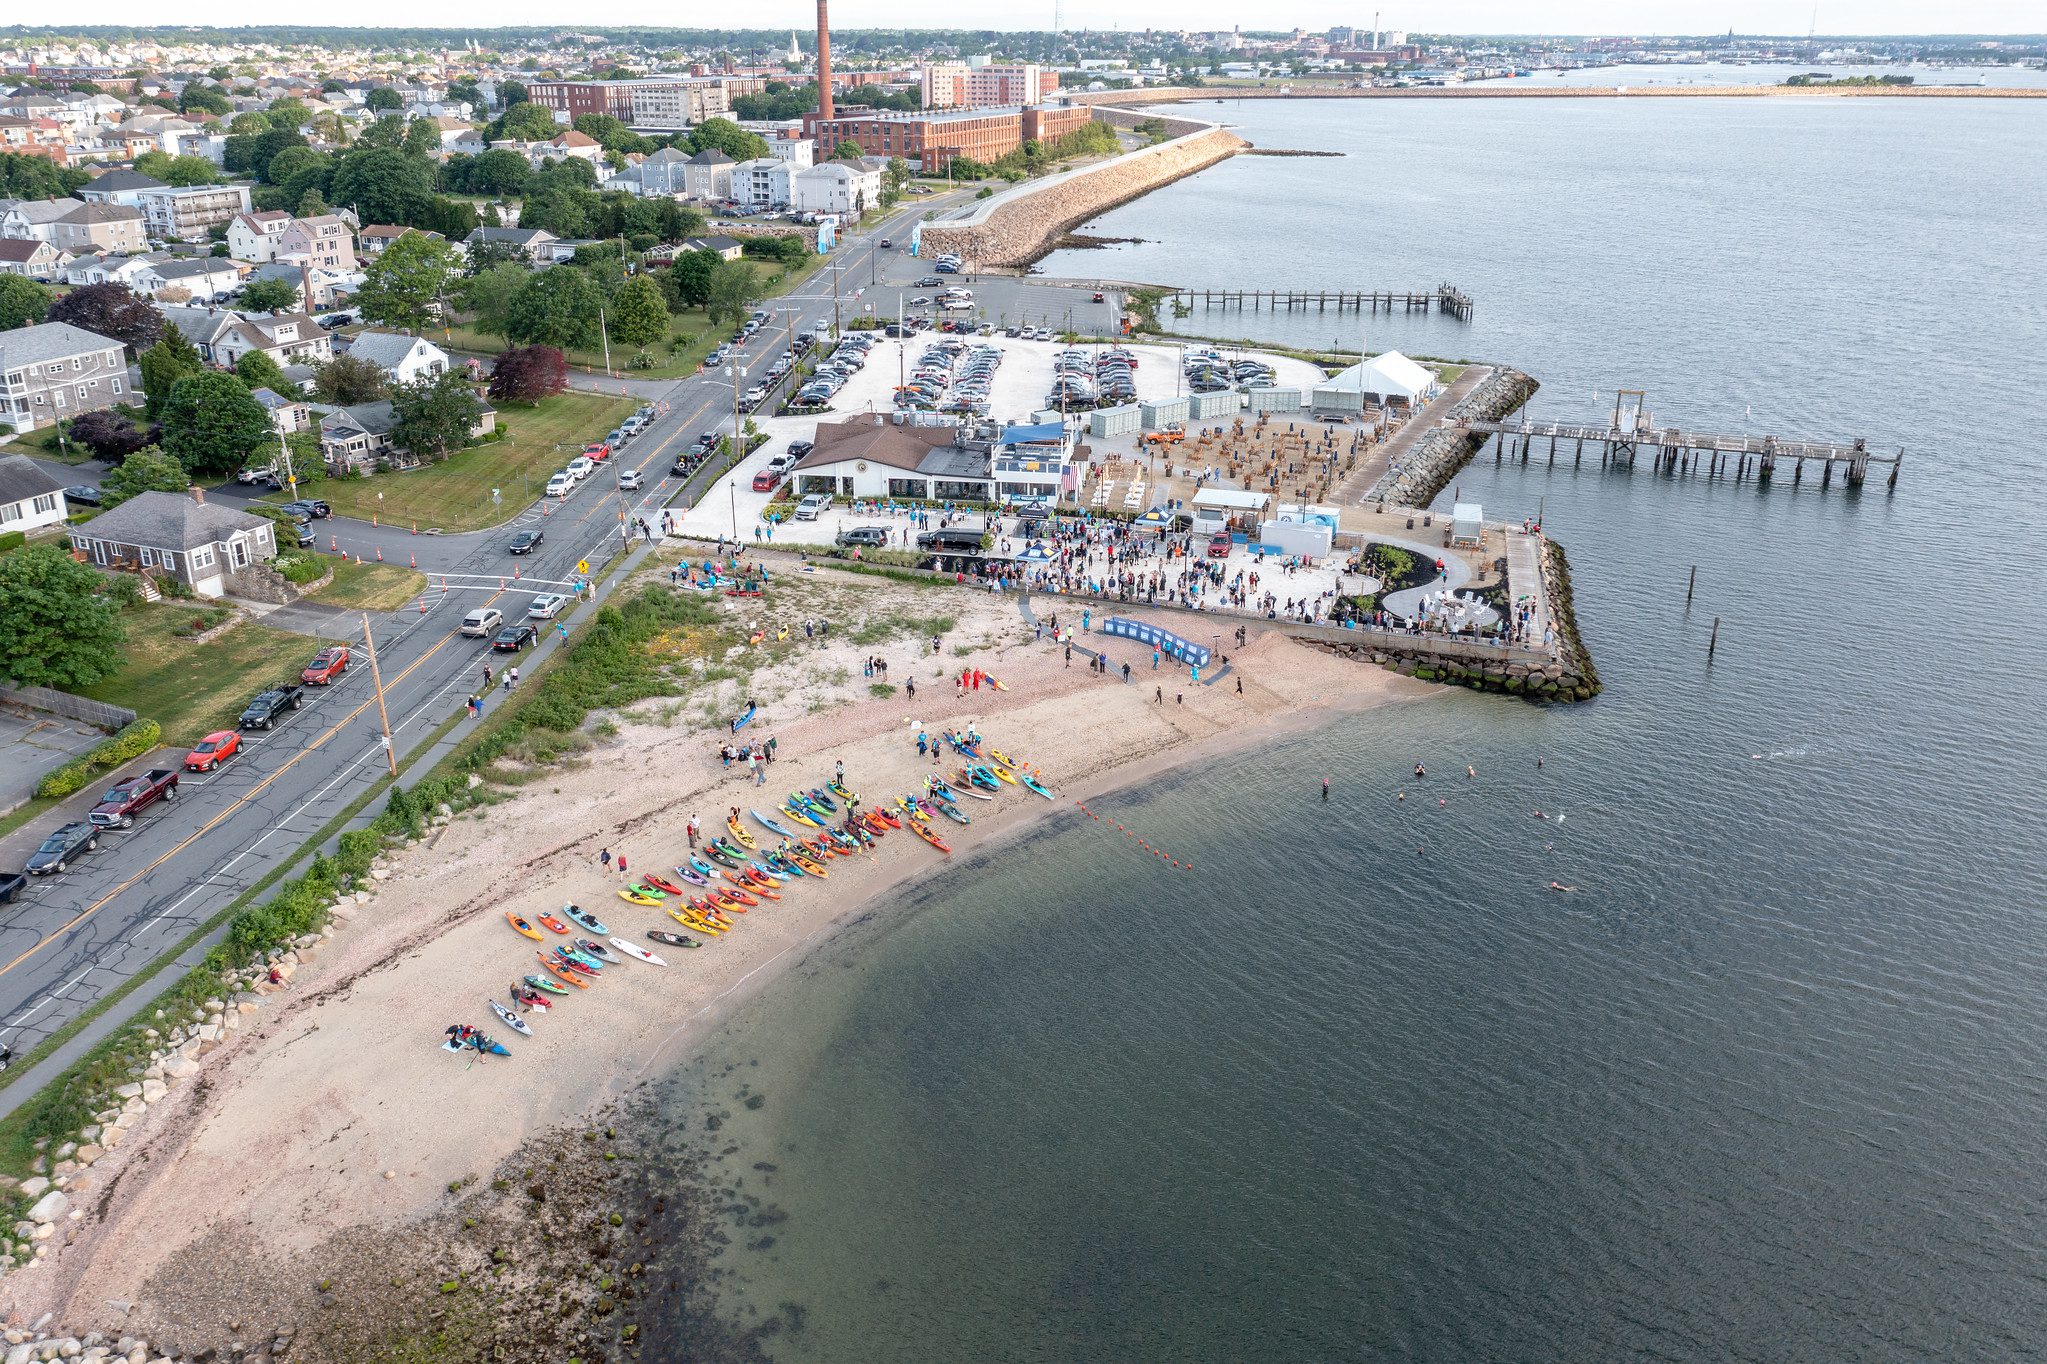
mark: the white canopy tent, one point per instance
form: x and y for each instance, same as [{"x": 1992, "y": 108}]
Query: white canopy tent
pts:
[
  {"x": 1391, "y": 375},
  {"x": 1467, "y": 524}
]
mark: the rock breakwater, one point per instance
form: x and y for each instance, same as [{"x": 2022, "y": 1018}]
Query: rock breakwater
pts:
[{"x": 1438, "y": 456}]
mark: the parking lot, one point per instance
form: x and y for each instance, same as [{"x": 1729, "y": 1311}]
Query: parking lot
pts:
[{"x": 31, "y": 743}]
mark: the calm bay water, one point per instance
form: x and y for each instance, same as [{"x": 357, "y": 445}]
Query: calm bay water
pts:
[{"x": 1768, "y": 1086}]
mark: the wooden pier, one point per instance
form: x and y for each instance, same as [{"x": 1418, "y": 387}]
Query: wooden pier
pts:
[
  {"x": 1446, "y": 299},
  {"x": 1678, "y": 451}
]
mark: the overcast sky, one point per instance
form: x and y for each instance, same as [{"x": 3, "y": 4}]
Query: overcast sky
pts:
[{"x": 1438, "y": 16}]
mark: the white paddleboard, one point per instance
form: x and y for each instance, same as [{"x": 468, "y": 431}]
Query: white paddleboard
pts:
[{"x": 632, "y": 950}]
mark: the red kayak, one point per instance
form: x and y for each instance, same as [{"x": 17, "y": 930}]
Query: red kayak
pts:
[
  {"x": 887, "y": 817},
  {"x": 662, "y": 883}
]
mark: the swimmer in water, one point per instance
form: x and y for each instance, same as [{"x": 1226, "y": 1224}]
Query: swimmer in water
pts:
[
  {"x": 1470, "y": 771},
  {"x": 1442, "y": 804},
  {"x": 1420, "y": 771},
  {"x": 1401, "y": 796},
  {"x": 1540, "y": 815},
  {"x": 1558, "y": 885}
]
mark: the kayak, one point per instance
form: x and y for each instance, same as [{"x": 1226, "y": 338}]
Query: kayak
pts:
[
  {"x": 761, "y": 875},
  {"x": 596, "y": 951},
  {"x": 547, "y": 983},
  {"x": 634, "y": 895},
  {"x": 720, "y": 856},
  {"x": 887, "y": 817},
  {"x": 693, "y": 876},
  {"x": 974, "y": 777},
  {"x": 512, "y": 1020},
  {"x": 877, "y": 823},
  {"x": 578, "y": 917},
  {"x": 576, "y": 962},
  {"x": 798, "y": 812},
  {"x": 574, "y": 953},
  {"x": 744, "y": 897},
  {"x": 914, "y": 809},
  {"x": 665, "y": 886},
  {"x": 521, "y": 926},
  {"x": 696, "y": 922},
  {"x": 552, "y": 924},
  {"x": 561, "y": 972},
  {"x": 1032, "y": 783},
  {"x": 745, "y": 839},
  {"x": 769, "y": 825},
  {"x": 476, "y": 1042},
  {"x": 782, "y": 866},
  {"x": 999, "y": 773},
  {"x": 740, "y": 723},
  {"x": 819, "y": 800},
  {"x": 662, "y": 935},
  {"x": 640, "y": 952},
  {"x": 999, "y": 756},
  {"x": 933, "y": 839},
  {"x": 839, "y": 789},
  {"x": 955, "y": 815},
  {"x": 731, "y": 850},
  {"x": 701, "y": 868},
  {"x": 940, "y": 790}
]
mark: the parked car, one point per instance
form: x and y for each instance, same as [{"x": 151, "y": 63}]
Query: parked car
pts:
[
  {"x": 630, "y": 480},
  {"x": 870, "y": 537},
  {"x": 83, "y": 495},
  {"x": 560, "y": 485},
  {"x": 597, "y": 451},
  {"x": 1220, "y": 546},
  {"x": 310, "y": 508},
  {"x": 326, "y": 668},
  {"x": 12, "y": 883},
  {"x": 545, "y": 606},
  {"x": 580, "y": 468},
  {"x": 809, "y": 507},
  {"x": 765, "y": 481},
  {"x": 125, "y": 799},
  {"x": 263, "y": 711},
  {"x": 63, "y": 847},
  {"x": 929, "y": 282},
  {"x": 525, "y": 542},
  {"x": 513, "y": 638},
  {"x": 706, "y": 443},
  {"x": 262, "y": 475},
  {"x": 213, "y": 750},
  {"x": 482, "y": 621}
]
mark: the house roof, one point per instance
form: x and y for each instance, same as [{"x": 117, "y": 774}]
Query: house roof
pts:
[
  {"x": 380, "y": 230},
  {"x": 667, "y": 156},
  {"x": 877, "y": 441},
  {"x": 49, "y": 341},
  {"x": 517, "y": 236},
  {"x": 711, "y": 243},
  {"x": 710, "y": 156},
  {"x": 387, "y": 349},
  {"x": 572, "y": 138},
  {"x": 374, "y": 419},
  {"x": 268, "y": 217},
  {"x": 22, "y": 478},
  {"x": 21, "y": 249},
  {"x": 201, "y": 268},
  {"x": 273, "y": 400},
  {"x": 171, "y": 520},
  {"x": 44, "y": 210},
  {"x": 102, "y": 213},
  {"x": 122, "y": 179}
]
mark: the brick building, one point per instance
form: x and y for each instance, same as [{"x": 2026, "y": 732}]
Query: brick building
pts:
[
  {"x": 934, "y": 138},
  {"x": 655, "y": 102}
]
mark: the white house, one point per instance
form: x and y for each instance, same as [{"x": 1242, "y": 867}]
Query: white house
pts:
[
  {"x": 709, "y": 175},
  {"x": 838, "y": 187},
  {"x": 205, "y": 279},
  {"x": 405, "y": 358},
  {"x": 257, "y": 237},
  {"x": 763, "y": 182},
  {"x": 29, "y": 498}
]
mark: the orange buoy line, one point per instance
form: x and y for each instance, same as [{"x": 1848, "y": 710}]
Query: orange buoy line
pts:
[{"x": 1131, "y": 834}]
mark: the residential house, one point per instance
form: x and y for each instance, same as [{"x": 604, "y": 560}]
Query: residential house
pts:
[
  {"x": 222, "y": 336},
  {"x": 202, "y": 544},
  {"x": 725, "y": 248},
  {"x": 29, "y": 498},
  {"x": 403, "y": 358},
  {"x": 55, "y": 370},
  {"x": 310, "y": 288},
  {"x": 357, "y": 439},
  {"x": 763, "y": 183},
  {"x": 34, "y": 218},
  {"x": 255, "y": 237},
  {"x": 849, "y": 188},
  {"x": 98, "y": 269},
  {"x": 121, "y": 186},
  {"x": 100, "y": 227},
  {"x": 204, "y": 279},
  {"x": 325, "y": 242},
  {"x": 572, "y": 144},
  {"x": 529, "y": 243},
  {"x": 663, "y": 173},
  {"x": 371, "y": 241},
  {"x": 708, "y": 175},
  {"x": 37, "y": 260},
  {"x": 188, "y": 214},
  {"x": 288, "y": 412}
]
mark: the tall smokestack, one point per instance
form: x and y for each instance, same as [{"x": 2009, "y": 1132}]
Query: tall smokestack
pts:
[{"x": 824, "y": 63}]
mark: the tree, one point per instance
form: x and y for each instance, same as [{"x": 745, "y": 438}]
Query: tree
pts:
[
  {"x": 523, "y": 123},
  {"x": 496, "y": 172},
  {"x": 204, "y": 98},
  {"x": 178, "y": 170},
  {"x": 562, "y": 210},
  {"x": 249, "y": 124},
  {"x": 491, "y": 295},
  {"x": 401, "y": 286},
  {"x": 558, "y": 307},
  {"x": 311, "y": 204},
  {"x": 36, "y": 177},
  {"x": 252, "y": 154},
  {"x": 638, "y": 315},
  {"x": 689, "y": 279},
  {"x": 298, "y": 169},
  {"x": 526, "y": 374},
  {"x": 172, "y": 358},
  {"x": 383, "y": 185},
  {"x": 108, "y": 434},
  {"x": 55, "y": 628},
  {"x": 349, "y": 379},
  {"x": 434, "y": 416},
  {"x": 735, "y": 288},
  {"x": 729, "y": 138},
  {"x": 270, "y": 296},
  {"x": 288, "y": 114},
  {"x": 849, "y": 151},
  {"x": 212, "y": 425},
  {"x": 387, "y": 133},
  {"x": 422, "y": 138},
  {"x": 113, "y": 310},
  {"x": 258, "y": 370},
  {"x": 22, "y": 301},
  {"x": 382, "y": 98},
  {"x": 147, "y": 470}
]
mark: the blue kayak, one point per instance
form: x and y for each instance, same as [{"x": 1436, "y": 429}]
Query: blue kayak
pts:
[
  {"x": 770, "y": 825},
  {"x": 576, "y": 915},
  {"x": 740, "y": 723}
]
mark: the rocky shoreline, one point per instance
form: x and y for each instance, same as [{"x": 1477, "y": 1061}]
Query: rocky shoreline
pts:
[{"x": 1438, "y": 456}]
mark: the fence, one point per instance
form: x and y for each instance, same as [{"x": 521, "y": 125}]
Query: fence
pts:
[{"x": 95, "y": 713}]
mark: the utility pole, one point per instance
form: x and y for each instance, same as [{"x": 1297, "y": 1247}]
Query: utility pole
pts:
[
  {"x": 377, "y": 679},
  {"x": 835, "y": 294},
  {"x": 605, "y": 333}
]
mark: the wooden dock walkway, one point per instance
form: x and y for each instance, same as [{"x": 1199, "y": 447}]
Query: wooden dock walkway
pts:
[
  {"x": 1446, "y": 299},
  {"x": 1678, "y": 451}
]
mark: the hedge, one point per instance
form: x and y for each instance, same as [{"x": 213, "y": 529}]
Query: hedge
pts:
[
  {"x": 299, "y": 568},
  {"x": 126, "y": 746},
  {"x": 13, "y": 539}
]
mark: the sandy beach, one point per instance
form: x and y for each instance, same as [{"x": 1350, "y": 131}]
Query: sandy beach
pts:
[{"x": 335, "y": 1113}]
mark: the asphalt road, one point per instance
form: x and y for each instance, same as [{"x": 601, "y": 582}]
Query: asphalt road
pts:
[{"x": 74, "y": 937}]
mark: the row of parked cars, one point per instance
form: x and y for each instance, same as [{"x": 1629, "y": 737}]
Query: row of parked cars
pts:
[
  {"x": 1080, "y": 380},
  {"x": 1209, "y": 371},
  {"x": 951, "y": 376},
  {"x": 834, "y": 370},
  {"x": 572, "y": 475}
]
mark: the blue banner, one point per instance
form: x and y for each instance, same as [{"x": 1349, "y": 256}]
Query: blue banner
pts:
[
  {"x": 1165, "y": 641},
  {"x": 917, "y": 239}
]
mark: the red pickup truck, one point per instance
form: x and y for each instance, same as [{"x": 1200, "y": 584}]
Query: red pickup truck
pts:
[{"x": 118, "y": 807}]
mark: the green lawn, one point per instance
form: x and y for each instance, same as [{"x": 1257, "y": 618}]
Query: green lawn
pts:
[
  {"x": 455, "y": 494},
  {"x": 43, "y": 441},
  {"x": 194, "y": 689},
  {"x": 371, "y": 587}
]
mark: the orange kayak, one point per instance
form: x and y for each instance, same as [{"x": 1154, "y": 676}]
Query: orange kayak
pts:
[
  {"x": 521, "y": 926},
  {"x": 555, "y": 970},
  {"x": 735, "y": 896},
  {"x": 552, "y": 924},
  {"x": 887, "y": 817}
]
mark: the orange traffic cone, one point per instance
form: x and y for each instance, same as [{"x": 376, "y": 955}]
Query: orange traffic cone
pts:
[
  {"x": 380, "y": 554},
  {"x": 412, "y": 561}
]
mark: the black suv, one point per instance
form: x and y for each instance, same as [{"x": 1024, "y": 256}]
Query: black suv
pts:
[
  {"x": 62, "y": 848},
  {"x": 311, "y": 508}
]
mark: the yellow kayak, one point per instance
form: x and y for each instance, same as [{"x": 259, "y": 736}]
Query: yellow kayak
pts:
[
  {"x": 1002, "y": 772},
  {"x": 797, "y": 815},
  {"x": 745, "y": 838},
  {"x": 636, "y": 898},
  {"x": 1003, "y": 759},
  {"x": 691, "y": 921},
  {"x": 913, "y": 811}
]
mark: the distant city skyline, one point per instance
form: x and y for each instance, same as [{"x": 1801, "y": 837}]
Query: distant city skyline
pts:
[{"x": 1475, "y": 17}]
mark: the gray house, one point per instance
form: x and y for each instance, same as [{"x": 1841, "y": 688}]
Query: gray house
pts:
[
  {"x": 54, "y": 370},
  {"x": 204, "y": 545}
]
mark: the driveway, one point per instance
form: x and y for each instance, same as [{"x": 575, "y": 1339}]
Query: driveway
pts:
[{"x": 31, "y": 743}]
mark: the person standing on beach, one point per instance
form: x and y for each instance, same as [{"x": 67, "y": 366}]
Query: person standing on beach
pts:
[
  {"x": 621, "y": 866},
  {"x": 839, "y": 771},
  {"x": 1158, "y": 694},
  {"x": 691, "y": 830},
  {"x": 605, "y": 858}
]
